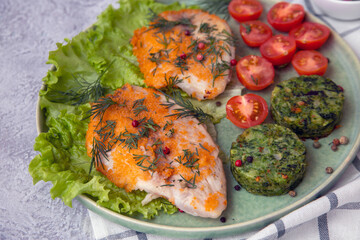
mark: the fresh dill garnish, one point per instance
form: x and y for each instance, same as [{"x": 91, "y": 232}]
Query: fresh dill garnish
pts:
[
  {"x": 207, "y": 28},
  {"x": 107, "y": 131},
  {"x": 170, "y": 133},
  {"x": 100, "y": 106},
  {"x": 167, "y": 185},
  {"x": 98, "y": 152},
  {"x": 247, "y": 28},
  {"x": 139, "y": 106},
  {"x": 191, "y": 182},
  {"x": 158, "y": 58},
  {"x": 163, "y": 40},
  {"x": 163, "y": 25},
  {"x": 131, "y": 139},
  {"x": 218, "y": 7},
  {"x": 83, "y": 93},
  {"x": 218, "y": 70},
  {"x": 203, "y": 147},
  {"x": 167, "y": 124},
  {"x": 255, "y": 80},
  {"x": 186, "y": 109},
  {"x": 171, "y": 84},
  {"x": 181, "y": 63},
  {"x": 157, "y": 142}
]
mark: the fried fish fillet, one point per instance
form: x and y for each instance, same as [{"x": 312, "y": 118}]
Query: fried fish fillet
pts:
[
  {"x": 142, "y": 145},
  {"x": 192, "y": 44}
]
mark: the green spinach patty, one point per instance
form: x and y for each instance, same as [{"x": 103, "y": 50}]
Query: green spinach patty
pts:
[
  {"x": 311, "y": 106},
  {"x": 268, "y": 159}
]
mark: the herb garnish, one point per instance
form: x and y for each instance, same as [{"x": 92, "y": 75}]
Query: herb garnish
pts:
[
  {"x": 164, "y": 25},
  {"x": 218, "y": 7},
  {"x": 98, "y": 151},
  {"x": 84, "y": 93},
  {"x": 187, "y": 109}
]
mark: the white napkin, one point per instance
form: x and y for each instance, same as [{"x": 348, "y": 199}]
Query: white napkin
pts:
[{"x": 333, "y": 216}]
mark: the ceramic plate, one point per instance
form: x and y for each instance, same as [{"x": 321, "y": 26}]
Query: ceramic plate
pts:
[{"x": 246, "y": 211}]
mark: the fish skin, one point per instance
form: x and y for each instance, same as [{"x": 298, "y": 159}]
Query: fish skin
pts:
[
  {"x": 199, "y": 78},
  {"x": 207, "y": 199}
]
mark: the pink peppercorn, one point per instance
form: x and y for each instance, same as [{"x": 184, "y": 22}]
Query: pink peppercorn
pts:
[
  {"x": 183, "y": 56},
  {"x": 201, "y": 45},
  {"x": 238, "y": 163},
  {"x": 166, "y": 150},
  {"x": 233, "y": 62},
  {"x": 187, "y": 33},
  {"x": 135, "y": 123},
  {"x": 199, "y": 57}
]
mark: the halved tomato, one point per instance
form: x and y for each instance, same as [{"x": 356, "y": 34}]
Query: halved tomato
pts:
[
  {"x": 255, "y": 33},
  {"x": 284, "y": 16},
  {"x": 309, "y": 35},
  {"x": 279, "y": 49},
  {"x": 309, "y": 62},
  {"x": 245, "y": 10},
  {"x": 254, "y": 72},
  {"x": 247, "y": 110}
]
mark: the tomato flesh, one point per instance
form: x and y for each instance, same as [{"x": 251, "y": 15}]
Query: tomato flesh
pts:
[
  {"x": 245, "y": 10},
  {"x": 254, "y": 72},
  {"x": 284, "y": 16},
  {"x": 309, "y": 62},
  {"x": 279, "y": 49},
  {"x": 310, "y": 36},
  {"x": 247, "y": 110},
  {"x": 255, "y": 33}
]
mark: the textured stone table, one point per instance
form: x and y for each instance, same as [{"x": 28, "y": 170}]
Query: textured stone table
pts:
[{"x": 28, "y": 31}]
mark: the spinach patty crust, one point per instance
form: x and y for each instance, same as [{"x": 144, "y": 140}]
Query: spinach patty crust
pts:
[
  {"x": 272, "y": 160},
  {"x": 311, "y": 106}
]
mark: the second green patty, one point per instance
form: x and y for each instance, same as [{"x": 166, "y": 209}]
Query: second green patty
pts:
[
  {"x": 272, "y": 159},
  {"x": 311, "y": 106}
]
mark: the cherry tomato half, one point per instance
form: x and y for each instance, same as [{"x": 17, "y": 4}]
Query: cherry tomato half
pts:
[
  {"x": 309, "y": 62},
  {"x": 309, "y": 35},
  {"x": 255, "y": 33},
  {"x": 284, "y": 16},
  {"x": 245, "y": 10},
  {"x": 247, "y": 110},
  {"x": 279, "y": 49},
  {"x": 255, "y": 72}
]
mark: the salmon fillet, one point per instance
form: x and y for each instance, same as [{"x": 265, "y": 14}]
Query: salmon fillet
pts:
[
  {"x": 166, "y": 156},
  {"x": 191, "y": 44}
]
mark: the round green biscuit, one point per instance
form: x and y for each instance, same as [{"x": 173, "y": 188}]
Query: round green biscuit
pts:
[
  {"x": 272, "y": 159},
  {"x": 311, "y": 106}
]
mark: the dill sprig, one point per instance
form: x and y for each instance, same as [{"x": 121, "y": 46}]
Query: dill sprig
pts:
[
  {"x": 107, "y": 131},
  {"x": 100, "y": 106},
  {"x": 218, "y": 7},
  {"x": 190, "y": 182},
  {"x": 158, "y": 58},
  {"x": 164, "y": 25},
  {"x": 139, "y": 106},
  {"x": 218, "y": 70},
  {"x": 99, "y": 151},
  {"x": 83, "y": 93},
  {"x": 186, "y": 109}
]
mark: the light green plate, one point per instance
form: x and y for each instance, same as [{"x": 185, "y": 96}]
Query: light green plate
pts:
[{"x": 245, "y": 211}]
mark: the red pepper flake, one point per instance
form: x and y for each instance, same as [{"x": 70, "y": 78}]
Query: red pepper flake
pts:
[
  {"x": 166, "y": 150},
  {"x": 337, "y": 126},
  {"x": 296, "y": 110},
  {"x": 135, "y": 123},
  {"x": 183, "y": 56},
  {"x": 284, "y": 176},
  {"x": 201, "y": 45},
  {"x": 233, "y": 62},
  {"x": 268, "y": 170},
  {"x": 257, "y": 178},
  {"x": 180, "y": 210},
  {"x": 261, "y": 149},
  {"x": 238, "y": 163},
  {"x": 341, "y": 88}
]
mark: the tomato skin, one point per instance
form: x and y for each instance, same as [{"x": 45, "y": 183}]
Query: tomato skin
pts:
[
  {"x": 309, "y": 62},
  {"x": 279, "y": 49},
  {"x": 247, "y": 110},
  {"x": 254, "y": 72},
  {"x": 309, "y": 35},
  {"x": 252, "y": 10},
  {"x": 293, "y": 13},
  {"x": 259, "y": 33}
]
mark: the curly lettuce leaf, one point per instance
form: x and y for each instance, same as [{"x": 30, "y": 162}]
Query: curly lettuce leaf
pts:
[{"x": 63, "y": 159}]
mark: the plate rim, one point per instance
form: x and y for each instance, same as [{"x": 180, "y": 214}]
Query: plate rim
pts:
[{"x": 230, "y": 229}]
